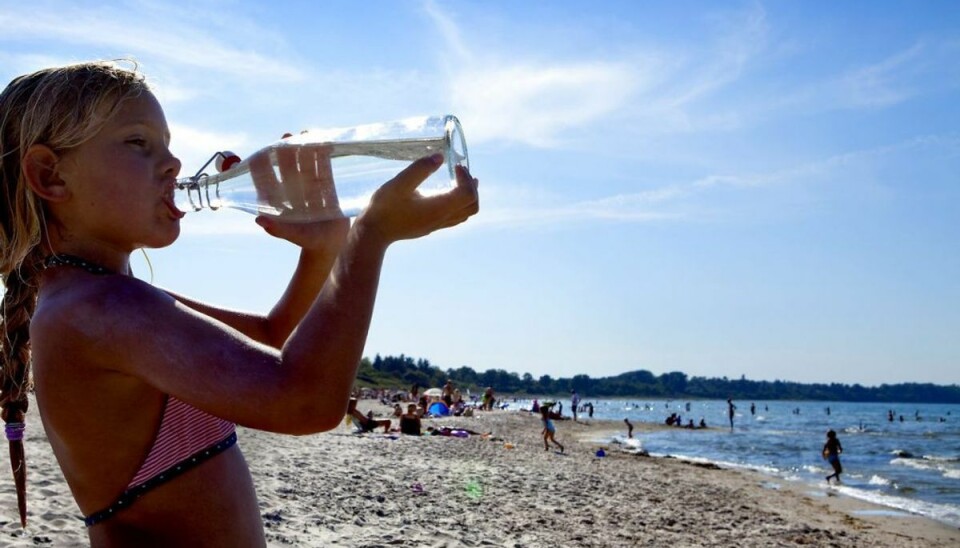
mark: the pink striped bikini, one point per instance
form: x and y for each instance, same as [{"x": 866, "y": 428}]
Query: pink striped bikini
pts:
[{"x": 187, "y": 437}]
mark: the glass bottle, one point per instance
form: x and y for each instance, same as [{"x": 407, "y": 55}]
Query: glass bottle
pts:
[{"x": 326, "y": 173}]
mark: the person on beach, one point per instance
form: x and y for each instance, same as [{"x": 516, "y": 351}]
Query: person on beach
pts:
[
  {"x": 410, "y": 421},
  {"x": 730, "y": 411},
  {"x": 454, "y": 432},
  {"x": 831, "y": 453},
  {"x": 549, "y": 430},
  {"x": 139, "y": 388},
  {"x": 574, "y": 403},
  {"x": 367, "y": 423},
  {"x": 629, "y": 428},
  {"x": 447, "y": 393},
  {"x": 488, "y": 399}
]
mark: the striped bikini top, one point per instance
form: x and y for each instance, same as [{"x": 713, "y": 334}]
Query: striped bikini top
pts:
[{"x": 186, "y": 438}]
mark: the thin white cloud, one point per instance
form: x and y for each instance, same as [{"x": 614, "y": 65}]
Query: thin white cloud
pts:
[
  {"x": 510, "y": 95},
  {"x": 924, "y": 68},
  {"x": 691, "y": 201},
  {"x": 163, "y": 33},
  {"x": 836, "y": 168},
  {"x": 535, "y": 105},
  {"x": 450, "y": 31},
  {"x": 881, "y": 84},
  {"x": 741, "y": 38}
]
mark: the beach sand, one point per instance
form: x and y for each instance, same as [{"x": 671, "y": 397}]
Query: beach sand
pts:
[{"x": 343, "y": 489}]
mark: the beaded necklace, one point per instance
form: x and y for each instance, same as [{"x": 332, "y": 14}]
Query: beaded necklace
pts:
[{"x": 64, "y": 259}]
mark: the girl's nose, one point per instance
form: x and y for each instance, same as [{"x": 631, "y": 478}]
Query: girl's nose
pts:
[{"x": 172, "y": 166}]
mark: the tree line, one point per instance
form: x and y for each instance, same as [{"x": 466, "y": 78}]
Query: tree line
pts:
[{"x": 405, "y": 371}]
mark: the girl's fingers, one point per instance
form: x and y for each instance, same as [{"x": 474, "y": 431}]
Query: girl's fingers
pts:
[{"x": 410, "y": 178}]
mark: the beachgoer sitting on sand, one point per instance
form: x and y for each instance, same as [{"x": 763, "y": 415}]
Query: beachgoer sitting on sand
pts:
[
  {"x": 410, "y": 421},
  {"x": 458, "y": 408},
  {"x": 397, "y": 410},
  {"x": 367, "y": 423}
]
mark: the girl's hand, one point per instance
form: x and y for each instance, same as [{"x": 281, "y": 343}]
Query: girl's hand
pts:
[
  {"x": 398, "y": 212},
  {"x": 326, "y": 237},
  {"x": 304, "y": 189}
]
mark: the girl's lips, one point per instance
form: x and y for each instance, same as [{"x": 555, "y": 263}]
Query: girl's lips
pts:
[{"x": 174, "y": 212}]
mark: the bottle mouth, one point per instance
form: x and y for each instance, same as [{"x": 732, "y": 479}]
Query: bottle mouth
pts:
[{"x": 457, "y": 145}]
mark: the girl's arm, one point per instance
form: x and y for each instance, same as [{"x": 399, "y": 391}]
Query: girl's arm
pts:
[
  {"x": 143, "y": 335},
  {"x": 308, "y": 171},
  {"x": 311, "y": 273}
]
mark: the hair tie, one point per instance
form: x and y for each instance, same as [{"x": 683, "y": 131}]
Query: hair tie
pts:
[{"x": 14, "y": 431}]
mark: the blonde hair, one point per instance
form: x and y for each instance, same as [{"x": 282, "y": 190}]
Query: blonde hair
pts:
[{"x": 60, "y": 108}]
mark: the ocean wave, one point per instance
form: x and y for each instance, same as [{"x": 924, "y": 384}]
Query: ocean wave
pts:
[
  {"x": 936, "y": 458},
  {"x": 916, "y": 464},
  {"x": 878, "y": 480},
  {"x": 945, "y": 513}
]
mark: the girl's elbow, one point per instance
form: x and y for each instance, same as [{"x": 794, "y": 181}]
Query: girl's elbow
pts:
[{"x": 313, "y": 418}]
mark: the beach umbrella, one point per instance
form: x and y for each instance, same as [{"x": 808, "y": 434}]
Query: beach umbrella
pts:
[
  {"x": 433, "y": 392},
  {"x": 438, "y": 409}
]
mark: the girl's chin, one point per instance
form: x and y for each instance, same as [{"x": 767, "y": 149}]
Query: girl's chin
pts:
[{"x": 167, "y": 237}]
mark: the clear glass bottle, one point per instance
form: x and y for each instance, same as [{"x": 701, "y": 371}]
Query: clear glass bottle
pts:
[{"x": 326, "y": 173}]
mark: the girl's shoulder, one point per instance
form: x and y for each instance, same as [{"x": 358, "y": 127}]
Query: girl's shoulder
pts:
[
  {"x": 90, "y": 306},
  {"x": 89, "y": 297}
]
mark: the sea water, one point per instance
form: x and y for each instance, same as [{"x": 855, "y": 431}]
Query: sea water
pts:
[{"x": 910, "y": 466}]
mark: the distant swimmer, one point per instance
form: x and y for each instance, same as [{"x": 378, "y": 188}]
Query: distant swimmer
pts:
[
  {"x": 730, "y": 411},
  {"x": 831, "y": 453},
  {"x": 753, "y": 409}
]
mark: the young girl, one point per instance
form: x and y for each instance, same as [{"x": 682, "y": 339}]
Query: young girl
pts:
[
  {"x": 549, "y": 430},
  {"x": 139, "y": 389}
]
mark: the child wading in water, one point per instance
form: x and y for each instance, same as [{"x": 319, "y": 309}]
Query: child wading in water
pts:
[
  {"x": 831, "y": 452},
  {"x": 549, "y": 430},
  {"x": 139, "y": 389}
]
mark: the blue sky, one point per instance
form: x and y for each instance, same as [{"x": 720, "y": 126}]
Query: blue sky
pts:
[{"x": 723, "y": 189}]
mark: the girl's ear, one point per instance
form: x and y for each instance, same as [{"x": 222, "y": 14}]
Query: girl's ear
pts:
[{"x": 40, "y": 170}]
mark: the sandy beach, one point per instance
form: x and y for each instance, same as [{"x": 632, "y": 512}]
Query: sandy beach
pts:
[{"x": 345, "y": 489}]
